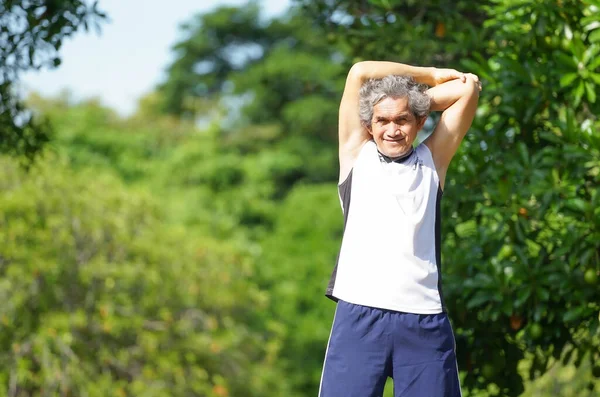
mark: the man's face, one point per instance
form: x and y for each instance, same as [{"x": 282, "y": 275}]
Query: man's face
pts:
[{"x": 394, "y": 127}]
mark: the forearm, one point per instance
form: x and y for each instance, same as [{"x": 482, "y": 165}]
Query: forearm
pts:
[
  {"x": 446, "y": 94},
  {"x": 378, "y": 69}
]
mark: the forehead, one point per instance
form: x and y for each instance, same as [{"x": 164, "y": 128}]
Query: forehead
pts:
[{"x": 391, "y": 107}]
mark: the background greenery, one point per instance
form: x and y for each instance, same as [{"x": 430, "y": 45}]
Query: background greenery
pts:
[{"x": 185, "y": 250}]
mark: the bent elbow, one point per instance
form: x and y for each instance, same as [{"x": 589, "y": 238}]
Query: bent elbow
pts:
[
  {"x": 471, "y": 88},
  {"x": 358, "y": 71}
]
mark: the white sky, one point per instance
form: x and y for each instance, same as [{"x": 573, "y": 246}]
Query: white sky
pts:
[{"x": 130, "y": 55}]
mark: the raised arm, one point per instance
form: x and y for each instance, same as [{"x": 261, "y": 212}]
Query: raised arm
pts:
[
  {"x": 458, "y": 102},
  {"x": 352, "y": 133}
]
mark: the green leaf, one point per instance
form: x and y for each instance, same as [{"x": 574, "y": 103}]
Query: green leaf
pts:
[
  {"x": 466, "y": 229},
  {"x": 478, "y": 69},
  {"x": 565, "y": 59},
  {"x": 567, "y": 79},
  {"x": 550, "y": 137},
  {"x": 567, "y": 357},
  {"x": 591, "y": 94},
  {"x": 595, "y": 77},
  {"x": 578, "y": 48},
  {"x": 543, "y": 294},
  {"x": 520, "y": 254},
  {"x": 590, "y": 53},
  {"x": 585, "y": 257},
  {"x": 573, "y": 314},
  {"x": 578, "y": 93},
  {"x": 533, "y": 248},
  {"x": 513, "y": 66},
  {"x": 522, "y": 296},
  {"x": 522, "y": 148},
  {"x": 590, "y": 23},
  {"x": 595, "y": 64},
  {"x": 576, "y": 204},
  {"x": 594, "y": 36},
  {"x": 479, "y": 299}
]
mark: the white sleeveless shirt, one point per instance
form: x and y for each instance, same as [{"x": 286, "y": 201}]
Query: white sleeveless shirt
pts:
[{"x": 390, "y": 252}]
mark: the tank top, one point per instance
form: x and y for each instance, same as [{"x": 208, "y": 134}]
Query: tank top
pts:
[{"x": 390, "y": 252}]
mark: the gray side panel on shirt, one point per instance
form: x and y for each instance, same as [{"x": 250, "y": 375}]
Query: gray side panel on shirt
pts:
[{"x": 344, "y": 190}]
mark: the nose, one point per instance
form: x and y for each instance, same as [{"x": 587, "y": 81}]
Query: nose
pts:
[{"x": 395, "y": 129}]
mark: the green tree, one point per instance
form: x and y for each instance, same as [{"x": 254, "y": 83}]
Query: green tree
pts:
[
  {"x": 296, "y": 262},
  {"x": 31, "y": 34},
  {"x": 215, "y": 44},
  {"x": 434, "y": 32},
  {"x": 275, "y": 84},
  {"x": 107, "y": 291}
]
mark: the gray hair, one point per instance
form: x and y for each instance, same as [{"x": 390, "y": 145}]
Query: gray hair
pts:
[{"x": 375, "y": 90}]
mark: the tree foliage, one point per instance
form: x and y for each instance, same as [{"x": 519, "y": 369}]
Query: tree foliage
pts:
[
  {"x": 432, "y": 31},
  {"x": 106, "y": 293},
  {"x": 539, "y": 145},
  {"x": 31, "y": 34},
  {"x": 273, "y": 83}
]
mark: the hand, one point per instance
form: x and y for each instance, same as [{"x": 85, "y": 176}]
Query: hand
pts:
[
  {"x": 475, "y": 79},
  {"x": 442, "y": 75}
]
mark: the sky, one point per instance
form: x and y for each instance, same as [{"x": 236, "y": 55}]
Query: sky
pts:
[{"x": 129, "y": 57}]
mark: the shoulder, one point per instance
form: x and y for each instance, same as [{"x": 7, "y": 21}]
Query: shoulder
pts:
[
  {"x": 348, "y": 158},
  {"x": 367, "y": 149},
  {"x": 423, "y": 151},
  {"x": 425, "y": 157}
]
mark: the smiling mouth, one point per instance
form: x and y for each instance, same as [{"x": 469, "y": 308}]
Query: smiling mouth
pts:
[{"x": 396, "y": 140}]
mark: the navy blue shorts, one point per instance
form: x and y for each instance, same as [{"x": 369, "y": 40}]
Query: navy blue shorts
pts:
[{"x": 368, "y": 345}]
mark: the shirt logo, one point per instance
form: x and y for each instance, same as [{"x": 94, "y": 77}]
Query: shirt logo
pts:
[{"x": 418, "y": 162}]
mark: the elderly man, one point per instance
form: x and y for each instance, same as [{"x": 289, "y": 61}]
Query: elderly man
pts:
[{"x": 390, "y": 319}]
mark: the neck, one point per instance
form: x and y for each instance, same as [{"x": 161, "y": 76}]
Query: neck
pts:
[{"x": 389, "y": 159}]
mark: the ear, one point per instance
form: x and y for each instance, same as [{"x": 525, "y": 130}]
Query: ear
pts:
[{"x": 421, "y": 122}]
